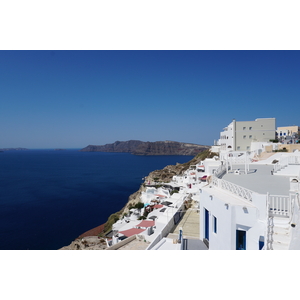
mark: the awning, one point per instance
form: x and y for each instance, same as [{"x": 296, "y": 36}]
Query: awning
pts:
[
  {"x": 157, "y": 206},
  {"x": 161, "y": 196},
  {"x": 131, "y": 231},
  {"x": 146, "y": 223}
]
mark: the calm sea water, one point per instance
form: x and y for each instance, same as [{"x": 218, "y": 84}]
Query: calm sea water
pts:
[{"x": 48, "y": 198}]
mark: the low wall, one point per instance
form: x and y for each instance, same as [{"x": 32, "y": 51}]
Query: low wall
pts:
[
  {"x": 289, "y": 147},
  {"x": 166, "y": 230},
  {"x": 122, "y": 243}
]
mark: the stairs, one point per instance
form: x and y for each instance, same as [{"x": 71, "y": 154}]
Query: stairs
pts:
[
  {"x": 281, "y": 233},
  {"x": 189, "y": 224},
  {"x": 289, "y": 170}
]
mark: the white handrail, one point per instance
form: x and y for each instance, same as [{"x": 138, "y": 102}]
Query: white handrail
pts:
[
  {"x": 233, "y": 188},
  {"x": 220, "y": 171},
  {"x": 270, "y": 232},
  {"x": 285, "y": 161},
  {"x": 279, "y": 205}
]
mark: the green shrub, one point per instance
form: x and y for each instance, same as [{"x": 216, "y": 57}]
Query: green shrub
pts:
[
  {"x": 111, "y": 220},
  {"x": 281, "y": 150},
  {"x": 139, "y": 205}
]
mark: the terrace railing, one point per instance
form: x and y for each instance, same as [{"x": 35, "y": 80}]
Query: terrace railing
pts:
[
  {"x": 280, "y": 205},
  {"x": 232, "y": 188},
  {"x": 270, "y": 232},
  {"x": 240, "y": 160},
  {"x": 277, "y": 206},
  {"x": 284, "y": 162},
  {"x": 281, "y": 164},
  {"x": 220, "y": 171},
  {"x": 294, "y": 160}
]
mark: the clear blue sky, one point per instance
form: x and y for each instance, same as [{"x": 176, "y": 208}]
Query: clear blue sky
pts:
[{"x": 69, "y": 99}]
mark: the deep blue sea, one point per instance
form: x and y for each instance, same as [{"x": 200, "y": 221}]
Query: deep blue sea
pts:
[{"x": 48, "y": 197}]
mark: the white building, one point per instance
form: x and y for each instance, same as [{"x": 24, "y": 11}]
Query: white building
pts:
[
  {"x": 238, "y": 135},
  {"x": 245, "y": 201},
  {"x": 255, "y": 208},
  {"x": 283, "y": 132}
]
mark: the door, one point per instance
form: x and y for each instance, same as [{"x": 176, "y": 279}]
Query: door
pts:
[
  {"x": 240, "y": 240},
  {"x": 206, "y": 224}
]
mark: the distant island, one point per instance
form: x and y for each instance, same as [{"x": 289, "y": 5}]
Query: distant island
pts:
[
  {"x": 137, "y": 147},
  {"x": 12, "y": 149}
]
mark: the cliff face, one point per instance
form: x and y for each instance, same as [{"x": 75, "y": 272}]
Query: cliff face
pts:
[
  {"x": 165, "y": 175},
  {"x": 149, "y": 148},
  {"x": 126, "y": 147}
]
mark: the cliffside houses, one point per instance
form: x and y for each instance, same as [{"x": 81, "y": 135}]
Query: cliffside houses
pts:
[{"x": 246, "y": 198}]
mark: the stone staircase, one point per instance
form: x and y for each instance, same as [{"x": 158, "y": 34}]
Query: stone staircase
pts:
[
  {"x": 189, "y": 223},
  {"x": 281, "y": 233},
  {"x": 290, "y": 170}
]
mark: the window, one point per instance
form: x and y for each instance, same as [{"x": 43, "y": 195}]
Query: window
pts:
[
  {"x": 244, "y": 137},
  {"x": 250, "y": 136},
  {"x": 250, "y": 128},
  {"x": 215, "y": 224},
  {"x": 238, "y": 147},
  {"x": 244, "y": 128}
]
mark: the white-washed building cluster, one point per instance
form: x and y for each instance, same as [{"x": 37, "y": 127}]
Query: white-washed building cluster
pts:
[{"x": 247, "y": 196}]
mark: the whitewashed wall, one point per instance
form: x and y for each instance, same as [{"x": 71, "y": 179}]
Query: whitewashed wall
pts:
[{"x": 252, "y": 220}]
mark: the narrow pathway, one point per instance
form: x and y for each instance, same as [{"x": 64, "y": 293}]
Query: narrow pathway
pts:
[{"x": 189, "y": 223}]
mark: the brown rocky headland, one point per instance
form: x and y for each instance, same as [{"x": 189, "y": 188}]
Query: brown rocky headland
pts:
[{"x": 137, "y": 147}]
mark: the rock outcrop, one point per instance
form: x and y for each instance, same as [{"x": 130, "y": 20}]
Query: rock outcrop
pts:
[
  {"x": 125, "y": 147},
  {"x": 87, "y": 243},
  {"x": 149, "y": 148}
]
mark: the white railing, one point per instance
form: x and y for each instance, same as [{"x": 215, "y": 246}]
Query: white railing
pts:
[
  {"x": 270, "y": 232},
  {"x": 278, "y": 167},
  {"x": 284, "y": 162},
  {"x": 280, "y": 205},
  {"x": 220, "y": 171},
  {"x": 232, "y": 188},
  {"x": 294, "y": 160},
  {"x": 277, "y": 206},
  {"x": 240, "y": 160}
]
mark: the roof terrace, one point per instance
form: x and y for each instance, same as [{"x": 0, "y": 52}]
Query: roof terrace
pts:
[{"x": 259, "y": 179}]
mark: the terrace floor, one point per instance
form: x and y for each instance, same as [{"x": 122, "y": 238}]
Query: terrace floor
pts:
[{"x": 259, "y": 179}]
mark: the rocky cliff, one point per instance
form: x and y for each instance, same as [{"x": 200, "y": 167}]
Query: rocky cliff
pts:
[
  {"x": 86, "y": 242},
  {"x": 126, "y": 147},
  {"x": 149, "y": 148}
]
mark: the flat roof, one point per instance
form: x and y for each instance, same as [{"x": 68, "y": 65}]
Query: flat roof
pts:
[
  {"x": 228, "y": 197},
  {"x": 132, "y": 231},
  {"x": 259, "y": 179}
]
